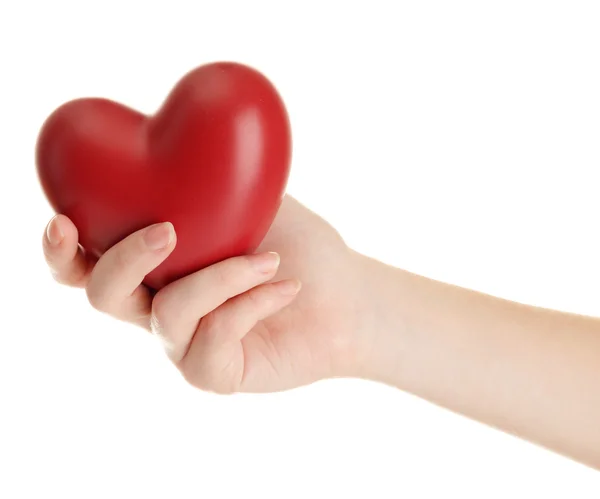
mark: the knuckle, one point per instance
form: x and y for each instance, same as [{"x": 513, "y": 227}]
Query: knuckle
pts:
[
  {"x": 160, "y": 309},
  {"x": 224, "y": 389},
  {"x": 53, "y": 257},
  {"x": 99, "y": 299},
  {"x": 254, "y": 298},
  {"x": 74, "y": 275},
  {"x": 207, "y": 369},
  {"x": 49, "y": 253},
  {"x": 122, "y": 259},
  {"x": 211, "y": 324},
  {"x": 188, "y": 375},
  {"x": 208, "y": 378},
  {"x": 63, "y": 279},
  {"x": 226, "y": 273},
  {"x": 257, "y": 301},
  {"x": 232, "y": 270}
]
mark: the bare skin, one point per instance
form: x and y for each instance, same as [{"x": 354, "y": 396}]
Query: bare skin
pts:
[{"x": 306, "y": 307}]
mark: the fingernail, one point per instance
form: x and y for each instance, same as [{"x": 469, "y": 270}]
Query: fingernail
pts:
[
  {"x": 265, "y": 262},
  {"x": 159, "y": 236},
  {"x": 289, "y": 288},
  {"x": 54, "y": 233}
]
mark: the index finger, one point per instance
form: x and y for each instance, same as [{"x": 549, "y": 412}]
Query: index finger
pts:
[{"x": 65, "y": 258}]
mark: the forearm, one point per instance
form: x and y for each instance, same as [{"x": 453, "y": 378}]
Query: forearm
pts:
[{"x": 528, "y": 371}]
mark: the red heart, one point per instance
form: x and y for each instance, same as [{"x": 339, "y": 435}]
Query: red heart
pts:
[{"x": 214, "y": 161}]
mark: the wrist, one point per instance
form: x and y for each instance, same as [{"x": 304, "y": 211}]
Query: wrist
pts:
[{"x": 383, "y": 321}]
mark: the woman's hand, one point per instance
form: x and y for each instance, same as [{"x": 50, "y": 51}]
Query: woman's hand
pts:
[{"x": 243, "y": 324}]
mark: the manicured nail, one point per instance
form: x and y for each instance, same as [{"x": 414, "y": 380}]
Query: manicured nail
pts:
[
  {"x": 265, "y": 263},
  {"x": 159, "y": 236},
  {"x": 289, "y": 288},
  {"x": 54, "y": 233}
]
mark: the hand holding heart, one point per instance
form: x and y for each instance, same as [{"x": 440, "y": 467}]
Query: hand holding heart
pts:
[
  {"x": 161, "y": 217},
  {"x": 240, "y": 324},
  {"x": 235, "y": 320}
]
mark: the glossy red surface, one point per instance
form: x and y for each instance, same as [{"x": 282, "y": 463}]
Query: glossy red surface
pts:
[{"x": 214, "y": 161}]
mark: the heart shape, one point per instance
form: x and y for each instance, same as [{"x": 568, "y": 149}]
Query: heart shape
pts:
[{"x": 214, "y": 161}]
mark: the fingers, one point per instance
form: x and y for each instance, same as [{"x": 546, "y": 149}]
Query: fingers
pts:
[
  {"x": 114, "y": 286},
  {"x": 178, "y": 308},
  {"x": 65, "y": 258},
  {"x": 230, "y": 322},
  {"x": 215, "y": 359}
]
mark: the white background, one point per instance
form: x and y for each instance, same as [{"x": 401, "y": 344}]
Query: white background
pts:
[{"x": 457, "y": 139}]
